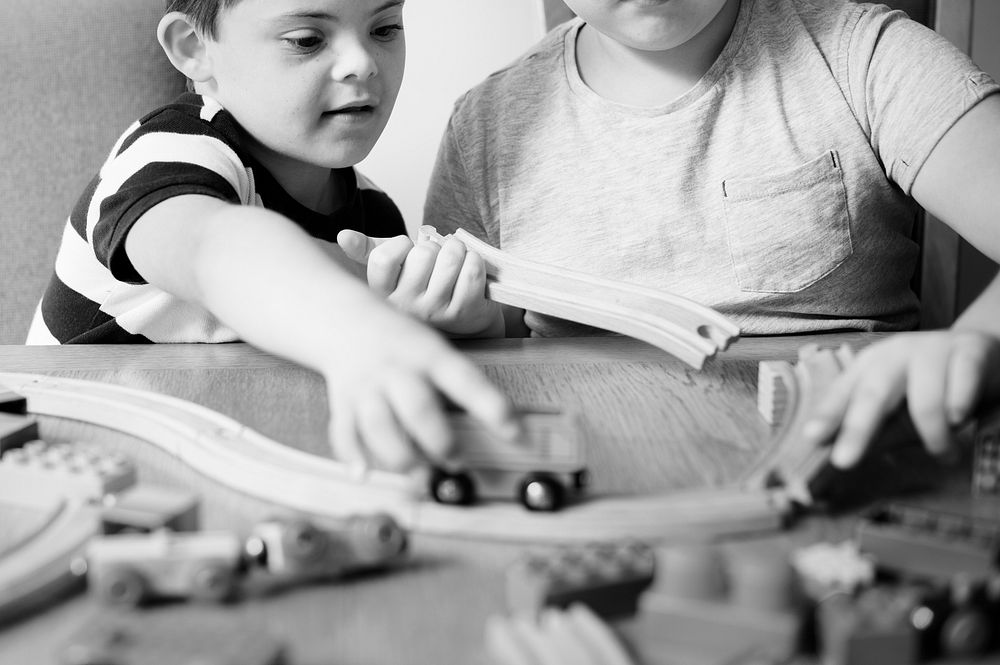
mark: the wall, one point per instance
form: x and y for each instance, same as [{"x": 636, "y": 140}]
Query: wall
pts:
[{"x": 451, "y": 46}]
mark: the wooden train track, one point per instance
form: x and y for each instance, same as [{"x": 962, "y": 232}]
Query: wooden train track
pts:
[
  {"x": 679, "y": 326},
  {"x": 239, "y": 458}
]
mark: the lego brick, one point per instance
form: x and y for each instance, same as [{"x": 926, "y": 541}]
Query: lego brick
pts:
[
  {"x": 16, "y": 430},
  {"x": 79, "y": 471},
  {"x": 149, "y": 507},
  {"x": 924, "y": 542},
  {"x": 986, "y": 455},
  {"x": 607, "y": 577},
  {"x": 11, "y": 402},
  {"x": 873, "y": 629},
  {"x": 171, "y": 636}
]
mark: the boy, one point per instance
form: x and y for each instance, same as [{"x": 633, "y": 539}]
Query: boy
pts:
[
  {"x": 214, "y": 218},
  {"x": 755, "y": 156}
]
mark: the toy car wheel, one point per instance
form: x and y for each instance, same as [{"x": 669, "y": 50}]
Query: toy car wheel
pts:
[
  {"x": 214, "y": 583},
  {"x": 125, "y": 587},
  {"x": 376, "y": 538},
  {"x": 456, "y": 489},
  {"x": 303, "y": 542},
  {"x": 542, "y": 492}
]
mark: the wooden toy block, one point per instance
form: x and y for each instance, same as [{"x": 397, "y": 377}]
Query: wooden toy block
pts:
[
  {"x": 11, "y": 402},
  {"x": 129, "y": 569},
  {"x": 986, "y": 455},
  {"x": 606, "y": 577},
  {"x": 16, "y": 430},
  {"x": 293, "y": 547},
  {"x": 170, "y": 637},
  {"x": 721, "y": 604},
  {"x": 77, "y": 470},
  {"x": 575, "y": 635},
  {"x": 923, "y": 542},
  {"x": 146, "y": 508},
  {"x": 542, "y": 470},
  {"x": 773, "y": 396},
  {"x": 873, "y": 629},
  {"x": 688, "y": 330}
]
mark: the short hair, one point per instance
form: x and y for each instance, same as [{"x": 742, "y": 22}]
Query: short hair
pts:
[{"x": 204, "y": 13}]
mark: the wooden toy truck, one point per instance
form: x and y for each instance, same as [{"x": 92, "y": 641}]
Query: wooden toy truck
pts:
[{"x": 541, "y": 471}]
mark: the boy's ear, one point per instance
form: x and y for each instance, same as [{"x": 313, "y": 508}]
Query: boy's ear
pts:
[{"x": 184, "y": 46}]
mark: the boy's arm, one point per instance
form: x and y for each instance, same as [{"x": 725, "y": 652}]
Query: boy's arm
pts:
[
  {"x": 942, "y": 375},
  {"x": 265, "y": 278}
]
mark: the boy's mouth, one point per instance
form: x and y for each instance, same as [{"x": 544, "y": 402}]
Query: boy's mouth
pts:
[{"x": 350, "y": 110}]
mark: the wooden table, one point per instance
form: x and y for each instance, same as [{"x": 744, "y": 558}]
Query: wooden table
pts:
[{"x": 653, "y": 423}]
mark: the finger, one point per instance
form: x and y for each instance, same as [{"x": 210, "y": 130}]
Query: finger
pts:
[
  {"x": 385, "y": 264},
  {"x": 470, "y": 286},
  {"x": 874, "y": 398},
  {"x": 357, "y": 245},
  {"x": 344, "y": 438},
  {"x": 419, "y": 412},
  {"x": 462, "y": 382},
  {"x": 827, "y": 416},
  {"x": 382, "y": 434},
  {"x": 925, "y": 397},
  {"x": 441, "y": 285},
  {"x": 416, "y": 272},
  {"x": 965, "y": 380}
]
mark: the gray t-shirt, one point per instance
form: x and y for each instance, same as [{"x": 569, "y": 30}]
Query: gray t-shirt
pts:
[{"x": 775, "y": 190}]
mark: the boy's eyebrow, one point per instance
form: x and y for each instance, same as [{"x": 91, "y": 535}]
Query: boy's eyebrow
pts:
[{"x": 328, "y": 16}]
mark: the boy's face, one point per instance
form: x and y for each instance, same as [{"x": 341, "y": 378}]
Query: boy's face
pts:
[
  {"x": 313, "y": 81},
  {"x": 648, "y": 25}
]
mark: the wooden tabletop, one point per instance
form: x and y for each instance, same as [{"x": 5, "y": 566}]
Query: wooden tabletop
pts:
[{"x": 653, "y": 425}]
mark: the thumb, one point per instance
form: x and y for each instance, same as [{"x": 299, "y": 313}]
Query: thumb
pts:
[{"x": 357, "y": 245}]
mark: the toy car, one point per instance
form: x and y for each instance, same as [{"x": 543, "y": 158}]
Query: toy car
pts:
[
  {"x": 296, "y": 547},
  {"x": 540, "y": 471},
  {"x": 128, "y": 569}
]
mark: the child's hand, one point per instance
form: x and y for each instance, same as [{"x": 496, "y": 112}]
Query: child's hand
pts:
[
  {"x": 942, "y": 375},
  {"x": 442, "y": 285},
  {"x": 384, "y": 383}
]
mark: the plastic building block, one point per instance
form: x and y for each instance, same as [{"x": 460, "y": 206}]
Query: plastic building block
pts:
[
  {"x": 607, "y": 577},
  {"x": 721, "y": 605},
  {"x": 146, "y": 508},
  {"x": 128, "y": 569},
  {"x": 542, "y": 471},
  {"x": 16, "y": 430},
  {"x": 298, "y": 548},
  {"x": 170, "y": 637},
  {"x": 986, "y": 455},
  {"x": 922, "y": 542},
  {"x": 575, "y": 635},
  {"x": 826, "y": 568},
  {"x": 11, "y": 402},
  {"x": 79, "y": 471},
  {"x": 872, "y": 629}
]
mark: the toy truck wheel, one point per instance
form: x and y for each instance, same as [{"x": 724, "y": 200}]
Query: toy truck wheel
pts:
[
  {"x": 124, "y": 587},
  {"x": 542, "y": 492},
  {"x": 303, "y": 542},
  {"x": 455, "y": 489},
  {"x": 213, "y": 583}
]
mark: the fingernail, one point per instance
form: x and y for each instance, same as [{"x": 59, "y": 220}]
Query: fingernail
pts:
[
  {"x": 841, "y": 458},
  {"x": 956, "y": 416},
  {"x": 512, "y": 430}
]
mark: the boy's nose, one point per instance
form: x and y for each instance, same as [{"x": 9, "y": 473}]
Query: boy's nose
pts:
[{"x": 353, "y": 60}]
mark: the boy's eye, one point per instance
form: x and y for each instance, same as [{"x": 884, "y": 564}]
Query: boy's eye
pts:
[
  {"x": 387, "y": 32},
  {"x": 303, "y": 42}
]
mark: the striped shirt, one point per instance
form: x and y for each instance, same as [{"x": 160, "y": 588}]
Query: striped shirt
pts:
[{"x": 191, "y": 146}]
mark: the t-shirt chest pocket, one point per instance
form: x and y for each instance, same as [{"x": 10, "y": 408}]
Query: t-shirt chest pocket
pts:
[{"x": 788, "y": 230}]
